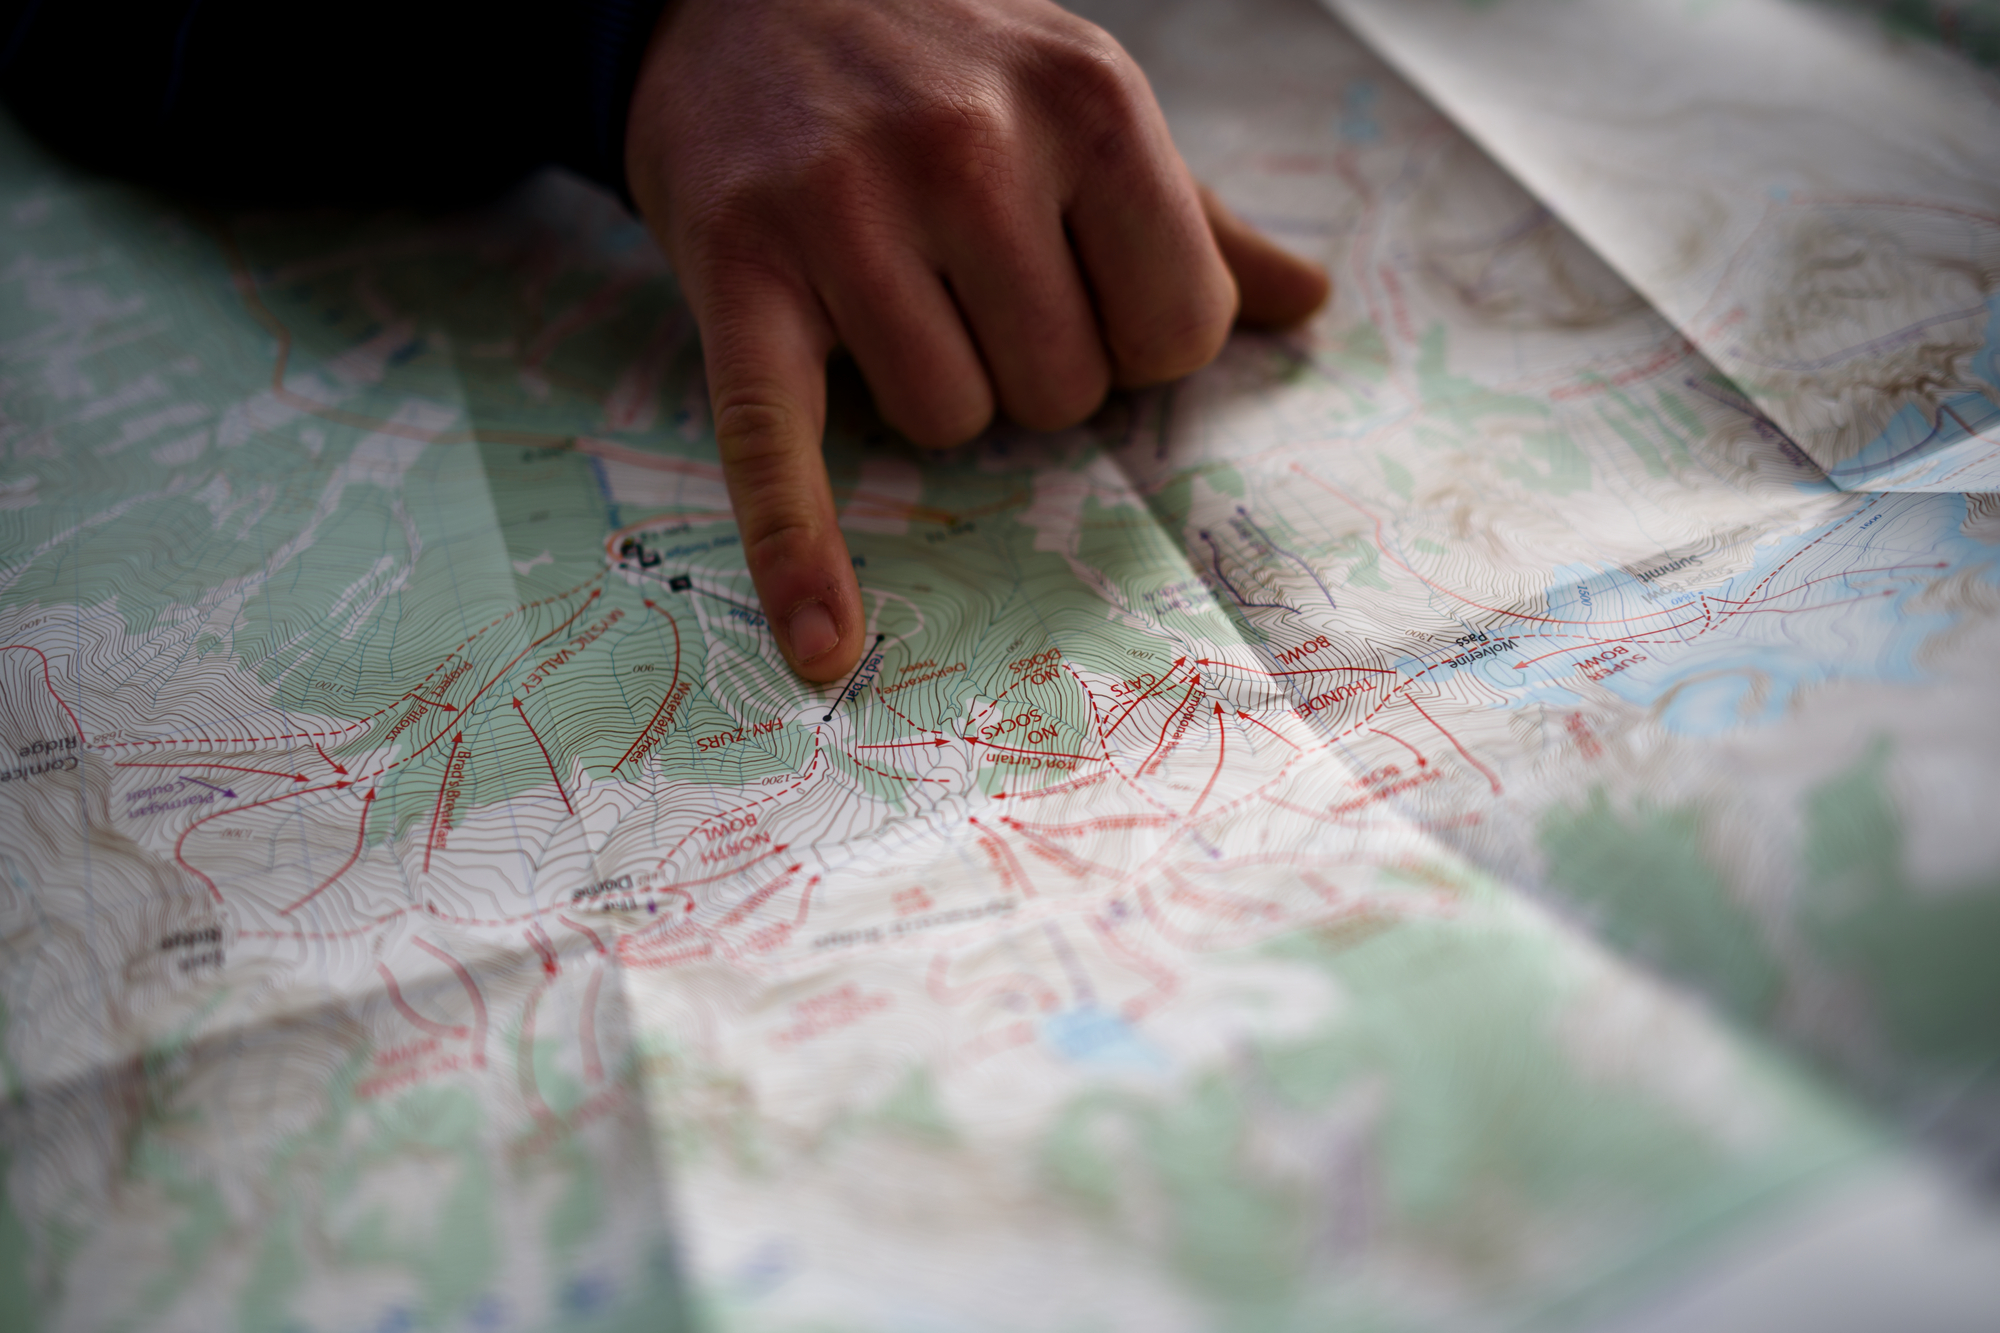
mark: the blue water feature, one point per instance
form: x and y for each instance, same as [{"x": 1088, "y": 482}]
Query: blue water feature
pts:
[{"x": 1094, "y": 1036}]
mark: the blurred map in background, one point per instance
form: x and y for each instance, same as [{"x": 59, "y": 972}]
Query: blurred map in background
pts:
[{"x": 1476, "y": 815}]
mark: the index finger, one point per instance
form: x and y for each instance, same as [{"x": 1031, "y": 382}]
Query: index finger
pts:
[{"x": 766, "y": 341}]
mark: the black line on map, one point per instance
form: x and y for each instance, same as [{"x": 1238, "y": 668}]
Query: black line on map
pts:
[{"x": 840, "y": 698}]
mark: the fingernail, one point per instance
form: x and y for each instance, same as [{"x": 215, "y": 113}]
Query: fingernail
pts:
[{"x": 812, "y": 633}]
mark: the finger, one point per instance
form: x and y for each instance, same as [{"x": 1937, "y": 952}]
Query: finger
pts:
[
  {"x": 1017, "y": 282},
  {"x": 895, "y": 317},
  {"x": 766, "y": 342},
  {"x": 1165, "y": 299},
  {"x": 1278, "y": 289}
]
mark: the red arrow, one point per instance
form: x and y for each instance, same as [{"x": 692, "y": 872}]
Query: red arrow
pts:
[
  {"x": 1222, "y": 752},
  {"x": 1421, "y": 761},
  {"x": 360, "y": 837},
  {"x": 438, "y": 808},
  {"x": 523, "y": 713},
  {"x": 910, "y": 745},
  {"x": 1157, "y": 687},
  {"x": 675, "y": 625},
  {"x": 330, "y": 760},
  {"x": 1274, "y": 731},
  {"x": 434, "y": 703}
]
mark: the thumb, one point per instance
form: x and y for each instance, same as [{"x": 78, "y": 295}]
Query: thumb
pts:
[
  {"x": 766, "y": 343},
  {"x": 1278, "y": 289}
]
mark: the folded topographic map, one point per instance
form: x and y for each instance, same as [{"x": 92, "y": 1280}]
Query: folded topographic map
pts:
[{"x": 1475, "y": 815}]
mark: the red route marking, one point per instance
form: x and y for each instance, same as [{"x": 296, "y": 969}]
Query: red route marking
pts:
[
  {"x": 1181, "y": 939},
  {"x": 471, "y": 989},
  {"x": 1324, "y": 817},
  {"x": 804, "y": 778},
  {"x": 370, "y": 719},
  {"x": 360, "y": 836},
  {"x": 1799, "y": 554},
  {"x": 1158, "y": 685},
  {"x": 1273, "y": 730},
  {"x": 1172, "y": 713},
  {"x": 1463, "y": 752},
  {"x": 538, "y": 940},
  {"x": 1311, "y": 671},
  {"x": 329, "y": 758},
  {"x": 524, "y": 1058},
  {"x": 436, "y": 1029},
  {"x": 523, "y": 715},
  {"x": 196, "y": 763},
  {"x": 672, "y": 685},
  {"x": 1103, "y": 824},
  {"x": 584, "y": 931},
  {"x": 1421, "y": 761},
  {"x": 905, "y": 745},
  {"x": 906, "y": 717},
  {"x": 758, "y": 898},
  {"x": 49, "y": 681},
  {"x": 1639, "y": 637},
  {"x": 974, "y": 721},
  {"x": 595, "y": 593},
  {"x": 1048, "y": 754},
  {"x": 232, "y": 810},
  {"x": 1165, "y": 984},
  {"x": 496, "y": 679},
  {"x": 593, "y": 1063},
  {"x": 1514, "y": 615},
  {"x": 434, "y": 703},
  {"x": 1003, "y": 861},
  {"x": 1222, "y": 752},
  {"x": 438, "y": 808},
  {"x": 382, "y": 920},
  {"x": 686, "y": 884},
  {"x": 1077, "y": 865},
  {"x": 942, "y": 991},
  {"x": 1019, "y": 1033},
  {"x": 1097, "y": 714},
  {"x": 1825, "y": 578},
  {"x": 896, "y": 777}
]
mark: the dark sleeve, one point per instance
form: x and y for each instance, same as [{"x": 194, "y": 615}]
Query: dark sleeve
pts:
[{"x": 303, "y": 101}]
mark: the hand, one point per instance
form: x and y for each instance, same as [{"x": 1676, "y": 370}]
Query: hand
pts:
[{"x": 977, "y": 198}]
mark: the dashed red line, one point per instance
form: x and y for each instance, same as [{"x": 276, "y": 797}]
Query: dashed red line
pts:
[
  {"x": 1158, "y": 685},
  {"x": 749, "y": 805}
]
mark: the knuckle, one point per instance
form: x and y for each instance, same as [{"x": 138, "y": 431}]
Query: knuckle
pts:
[
  {"x": 1089, "y": 76},
  {"x": 959, "y": 139},
  {"x": 1174, "y": 344}
]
